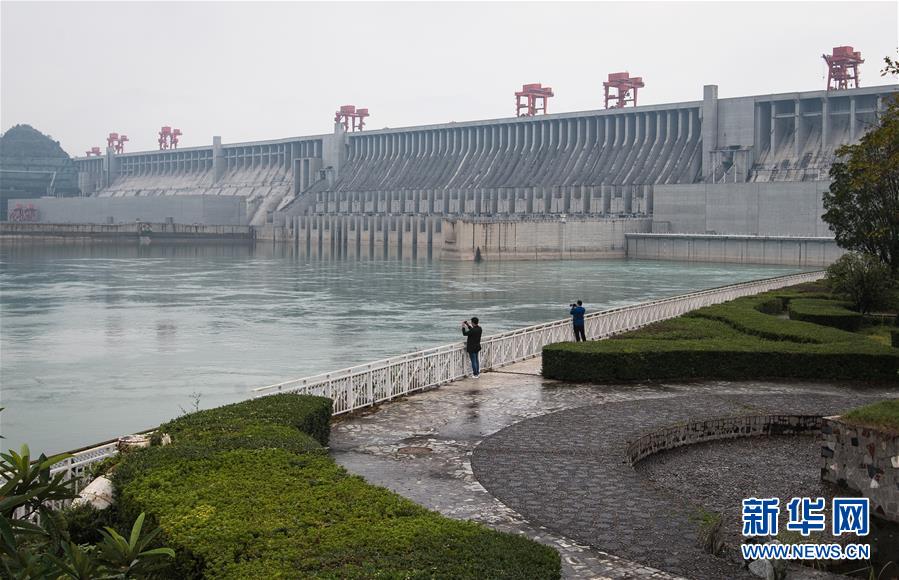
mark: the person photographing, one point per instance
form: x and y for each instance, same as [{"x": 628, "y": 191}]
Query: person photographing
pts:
[
  {"x": 472, "y": 332},
  {"x": 577, "y": 321}
]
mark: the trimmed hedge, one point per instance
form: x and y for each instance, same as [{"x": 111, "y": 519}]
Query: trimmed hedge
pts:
[
  {"x": 308, "y": 414},
  {"x": 244, "y": 491},
  {"x": 826, "y": 313},
  {"x": 734, "y": 340},
  {"x": 273, "y": 514}
]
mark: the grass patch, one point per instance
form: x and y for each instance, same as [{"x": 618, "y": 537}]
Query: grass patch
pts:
[
  {"x": 741, "y": 339},
  {"x": 882, "y": 415},
  {"x": 247, "y": 491}
]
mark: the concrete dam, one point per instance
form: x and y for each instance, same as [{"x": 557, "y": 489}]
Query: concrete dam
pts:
[{"x": 555, "y": 185}]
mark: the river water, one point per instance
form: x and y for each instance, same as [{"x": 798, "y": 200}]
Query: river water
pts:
[{"x": 100, "y": 341}]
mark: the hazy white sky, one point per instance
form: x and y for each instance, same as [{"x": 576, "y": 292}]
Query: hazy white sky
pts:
[{"x": 247, "y": 71}]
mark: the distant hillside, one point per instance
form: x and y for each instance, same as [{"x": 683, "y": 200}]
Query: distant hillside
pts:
[
  {"x": 33, "y": 165},
  {"x": 26, "y": 141}
]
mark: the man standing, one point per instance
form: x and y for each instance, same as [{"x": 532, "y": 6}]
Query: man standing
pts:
[
  {"x": 473, "y": 345},
  {"x": 577, "y": 320}
]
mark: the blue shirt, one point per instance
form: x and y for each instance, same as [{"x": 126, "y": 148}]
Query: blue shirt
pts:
[{"x": 577, "y": 314}]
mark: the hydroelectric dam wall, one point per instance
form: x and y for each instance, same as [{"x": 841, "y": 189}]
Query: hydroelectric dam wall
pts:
[{"x": 593, "y": 168}]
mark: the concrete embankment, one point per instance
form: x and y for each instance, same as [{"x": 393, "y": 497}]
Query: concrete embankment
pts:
[
  {"x": 466, "y": 238},
  {"x": 777, "y": 250},
  {"x": 122, "y": 233}
]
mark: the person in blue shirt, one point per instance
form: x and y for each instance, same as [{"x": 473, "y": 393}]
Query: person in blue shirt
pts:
[{"x": 577, "y": 320}]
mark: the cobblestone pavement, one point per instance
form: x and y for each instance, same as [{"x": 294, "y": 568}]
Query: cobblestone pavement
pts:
[{"x": 421, "y": 447}]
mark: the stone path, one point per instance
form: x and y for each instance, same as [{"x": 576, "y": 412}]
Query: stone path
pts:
[{"x": 421, "y": 447}]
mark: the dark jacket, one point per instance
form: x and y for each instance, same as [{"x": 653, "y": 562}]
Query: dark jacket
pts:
[
  {"x": 577, "y": 315},
  {"x": 474, "y": 338}
]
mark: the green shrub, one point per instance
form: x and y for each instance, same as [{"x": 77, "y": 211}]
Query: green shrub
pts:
[
  {"x": 270, "y": 513},
  {"x": 83, "y": 523},
  {"x": 724, "y": 359},
  {"x": 735, "y": 340},
  {"x": 244, "y": 492},
  {"x": 311, "y": 415},
  {"x": 863, "y": 279},
  {"x": 826, "y": 313},
  {"x": 743, "y": 315},
  {"x": 253, "y": 436},
  {"x": 894, "y": 338}
]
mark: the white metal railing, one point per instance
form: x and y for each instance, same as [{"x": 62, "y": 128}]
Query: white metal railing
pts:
[{"x": 366, "y": 385}]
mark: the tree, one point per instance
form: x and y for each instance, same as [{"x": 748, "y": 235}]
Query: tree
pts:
[
  {"x": 862, "y": 205},
  {"x": 862, "y": 278}
]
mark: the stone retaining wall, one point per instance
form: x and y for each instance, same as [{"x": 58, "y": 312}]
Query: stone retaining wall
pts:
[
  {"x": 863, "y": 460},
  {"x": 720, "y": 428}
]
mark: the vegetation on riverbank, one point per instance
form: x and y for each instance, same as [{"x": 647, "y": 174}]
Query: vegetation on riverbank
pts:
[
  {"x": 247, "y": 491},
  {"x": 799, "y": 332}
]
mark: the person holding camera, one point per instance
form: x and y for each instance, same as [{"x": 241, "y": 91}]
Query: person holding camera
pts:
[
  {"x": 577, "y": 320},
  {"x": 473, "y": 345}
]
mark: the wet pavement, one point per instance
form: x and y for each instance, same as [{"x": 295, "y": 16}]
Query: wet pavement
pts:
[{"x": 422, "y": 447}]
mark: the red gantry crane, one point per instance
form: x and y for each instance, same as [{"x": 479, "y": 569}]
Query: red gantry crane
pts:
[
  {"x": 350, "y": 117},
  {"x": 117, "y": 142},
  {"x": 842, "y": 67},
  {"x": 531, "y": 99},
  {"x": 93, "y": 152},
  {"x": 168, "y": 137},
  {"x": 622, "y": 83}
]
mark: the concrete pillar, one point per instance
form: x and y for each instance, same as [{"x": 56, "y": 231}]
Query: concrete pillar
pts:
[
  {"x": 825, "y": 122},
  {"x": 852, "y": 119},
  {"x": 334, "y": 149},
  {"x": 218, "y": 160},
  {"x": 606, "y": 199},
  {"x": 773, "y": 127},
  {"x": 797, "y": 127},
  {"x": 709, "y": 127},
  {"x": 110, "y": 167}
]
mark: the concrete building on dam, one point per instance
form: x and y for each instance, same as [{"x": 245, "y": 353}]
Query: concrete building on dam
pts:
[{"x": 734, "y": 179}]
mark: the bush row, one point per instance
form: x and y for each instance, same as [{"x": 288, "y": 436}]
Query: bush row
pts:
[
  {"x": 246, "y": 491},
  {"x": 723, "y": 358},
  {"x": 307, "y": 414},
  {"x": 826, "y": 313},
  {"x": 735, "y": 340},
  {"x": 752, "y": 315}
]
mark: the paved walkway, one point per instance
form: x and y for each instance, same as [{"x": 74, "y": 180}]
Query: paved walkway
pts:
[{"x": 421, "y": 447}]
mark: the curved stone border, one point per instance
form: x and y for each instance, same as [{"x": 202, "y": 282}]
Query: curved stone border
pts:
[
  {"x": 733, "y": 427},
  {"x": 570, "y": 471}
]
